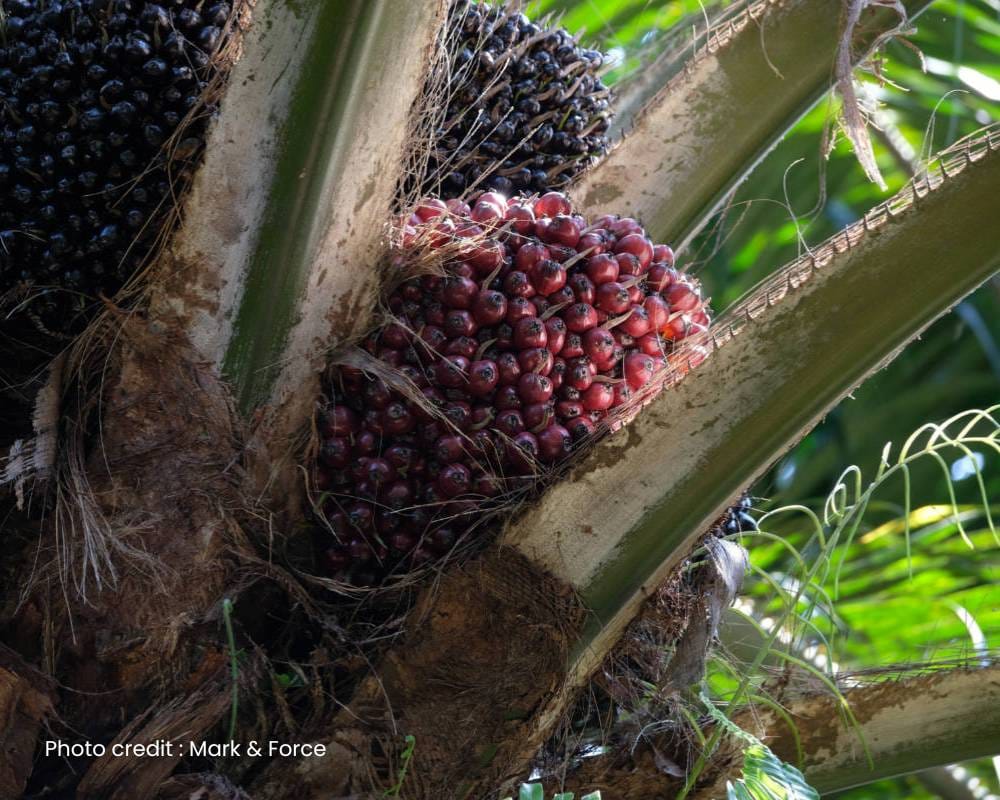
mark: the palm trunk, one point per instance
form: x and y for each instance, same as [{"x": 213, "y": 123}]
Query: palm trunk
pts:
[{"x": 202, "y": 400}]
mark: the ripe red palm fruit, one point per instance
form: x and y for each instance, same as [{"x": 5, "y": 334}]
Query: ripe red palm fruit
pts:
[
  {"x": 682, "y": 297},
  {"x": 548, "y": 276},
  {"x": 602, "y": 269},
  {"x": 506, "y": 398},
  {"x": 638, "y": 369},
  {"x": 509, "y": 368},
  {"x": 580, "y": 317},
  {"x": 452, "y": 372},
  {"x": 518, "y": 308},
  {"x": 534, "y": 388},
  {"x": 518, "y": 284},
  {"x": 599, "y": 345},
  {"x": 581, "y": 428},
  {"x": 637, "y": 323},
  {"x": 561, "y": 230},
  {"x": 530, "y": 332},
  {"x": 523, "y": 452},
  {"x": 612, "y": 297},
  {"x": 552, "y": 204},
  {"x": 537, "y": 359},
  {"x": 579, "y": 376},
  {"x": 583, "y": 288},
  {"x": 530, "y": 254},
  {"x": 513, "y": 371},
  {"x": 336, "y": 452},
  {"x": 573, "y": 346},
  {"x": 637, "y": 245},
  {"x": 555, "y": 328},
  {"x": 510, "y": 423},
  {"x": 483, "y": 378},
  {"x": 554, "y": 443},
  {"x": 538, "y": 416},
  {"x": 599, "y": 397},
  {"x": 489, "y": 307},
  {"x": 339, "y": 420}
]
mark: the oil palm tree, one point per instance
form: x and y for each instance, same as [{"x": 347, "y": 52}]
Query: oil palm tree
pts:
[{"x": 152, "y": 600}]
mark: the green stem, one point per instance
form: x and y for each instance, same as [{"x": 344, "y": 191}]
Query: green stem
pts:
[
  {"x": 714, "y": 122},
  {"x": 227, "y": 616},
  {"x": 633, "y": 506},
  {"x": 328, "y": 137}
]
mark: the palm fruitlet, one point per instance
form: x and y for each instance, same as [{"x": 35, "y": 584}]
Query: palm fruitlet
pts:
[
  {"x": 538, "y": 329},
  {"x": 739, "y": 518},
  {"x": 94, "y": 97},
  {"x": 526, "y": 110}
]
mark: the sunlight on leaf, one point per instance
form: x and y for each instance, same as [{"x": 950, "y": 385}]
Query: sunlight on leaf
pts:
[{"x": 918, "y": 518}]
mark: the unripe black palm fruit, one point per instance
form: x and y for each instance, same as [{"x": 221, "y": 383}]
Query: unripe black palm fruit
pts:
[
  {"x": 100, "y": 120},
  {"x": 526, "y": 110},
  {"x": 739, "y": 518}
]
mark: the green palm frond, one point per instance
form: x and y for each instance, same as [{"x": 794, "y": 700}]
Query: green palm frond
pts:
[
  {"x": 535, "y": 791},
  {"x": 767, "y": 777},
  {"x": 796, "y": 618}
]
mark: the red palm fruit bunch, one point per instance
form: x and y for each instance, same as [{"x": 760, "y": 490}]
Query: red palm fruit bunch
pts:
[{"x": 538, "y": 329}]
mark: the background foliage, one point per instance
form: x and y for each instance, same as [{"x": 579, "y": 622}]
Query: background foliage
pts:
[{"x": 890, "y": 609}]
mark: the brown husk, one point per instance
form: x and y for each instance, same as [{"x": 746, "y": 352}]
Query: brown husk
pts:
[
  {"x": 135, "y": 553},
  {"x": 485, "y": 651},
  {"x": 27, "y": 700}
]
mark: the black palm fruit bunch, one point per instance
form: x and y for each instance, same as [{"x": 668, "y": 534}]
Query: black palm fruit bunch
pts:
[
  {"x": 738, "y": 518},
  {"x": 539, "y": 328},
  {"x": 101, "y": 117},
  {"x": 525, "y": 109}
]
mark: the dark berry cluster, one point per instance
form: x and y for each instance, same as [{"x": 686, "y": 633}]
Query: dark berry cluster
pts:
[
  {"x": 541, "y": 328},
  {"x": 526, "y": 109},
  {"x": 738, "y": 518},
  {"x": 91, "y": 92}
]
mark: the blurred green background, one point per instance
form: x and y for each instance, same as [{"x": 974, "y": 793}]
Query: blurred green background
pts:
[{"x": 890, "y": 609}]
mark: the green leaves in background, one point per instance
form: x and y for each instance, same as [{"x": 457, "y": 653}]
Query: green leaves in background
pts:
[
  {"x": 535, "y": 791},
  {"x": 767, "y": 777},
  {"x": 868, "y": 579}
]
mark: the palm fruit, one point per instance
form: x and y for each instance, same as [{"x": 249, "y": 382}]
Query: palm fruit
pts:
[
  {"x": 92, "y": 93},
  {"x": 526, "y": 110},
  {"x": 538, "y": 329},
  {"x": 738, "y": 518}
]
